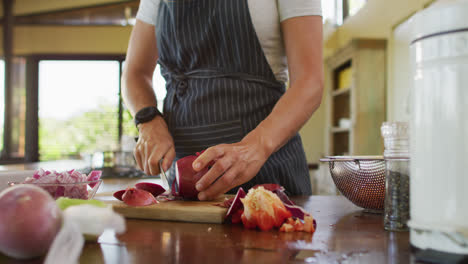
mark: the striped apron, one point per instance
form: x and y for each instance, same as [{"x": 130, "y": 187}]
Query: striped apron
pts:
[{"x": 220, "y": 85}]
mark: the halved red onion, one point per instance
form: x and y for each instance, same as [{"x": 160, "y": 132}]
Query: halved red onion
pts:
[
  {"x": 119, "y": 194},
  {"x": 153, "y": 188},
  {"x": 137, "y": 197}
]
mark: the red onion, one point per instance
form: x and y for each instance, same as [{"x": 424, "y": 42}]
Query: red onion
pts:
[
  {"x": 187, "y": 177},
  {"x": 153, "y": 188},
  {"x": 118, "y": 194},
  {"x": 137, "y": 197},
  {"x": 29, "y": 221}
]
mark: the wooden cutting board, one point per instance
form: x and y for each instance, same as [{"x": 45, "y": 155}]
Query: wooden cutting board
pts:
[{"x": 185, "y": 211}]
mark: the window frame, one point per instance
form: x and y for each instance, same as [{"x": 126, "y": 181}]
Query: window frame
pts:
[
  {"x": 341, "y": 12},
  {"x": 346, "y": 9}
]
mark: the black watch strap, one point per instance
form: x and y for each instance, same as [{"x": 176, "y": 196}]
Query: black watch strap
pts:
[{"x": 146, "y": 114}]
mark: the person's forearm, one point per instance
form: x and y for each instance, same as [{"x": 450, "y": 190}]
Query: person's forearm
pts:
[
  {"x": 137, "y": 91},
  {"x": 303, "y": 45},
  {"x": 142, "y": 54},
  {"x": 290, "y": 113}
]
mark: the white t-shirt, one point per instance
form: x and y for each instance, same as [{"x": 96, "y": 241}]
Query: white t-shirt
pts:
[{"x": 266, "y": 18}]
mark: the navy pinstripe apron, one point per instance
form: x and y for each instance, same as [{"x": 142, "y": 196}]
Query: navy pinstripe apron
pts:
[{"x": 220, "y": 85}]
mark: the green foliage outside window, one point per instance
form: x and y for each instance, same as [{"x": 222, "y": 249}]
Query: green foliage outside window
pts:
[
  {"x": 128, "y": 126},
  {"x": 86, "y": 133}
]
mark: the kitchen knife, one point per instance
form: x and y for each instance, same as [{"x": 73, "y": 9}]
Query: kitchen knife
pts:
[{"x": 163, "y": 176}]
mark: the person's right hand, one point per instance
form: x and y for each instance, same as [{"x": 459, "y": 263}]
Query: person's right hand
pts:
[{"x": 154, "y": 143}]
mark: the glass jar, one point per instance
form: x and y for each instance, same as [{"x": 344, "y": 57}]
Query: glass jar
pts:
[{"x": 396, "y": 155}]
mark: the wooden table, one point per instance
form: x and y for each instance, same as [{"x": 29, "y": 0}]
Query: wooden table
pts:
[{"x": 345, "y": 234}]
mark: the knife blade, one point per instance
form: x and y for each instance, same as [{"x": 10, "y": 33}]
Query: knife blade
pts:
[{"x": 163, "y": 176}]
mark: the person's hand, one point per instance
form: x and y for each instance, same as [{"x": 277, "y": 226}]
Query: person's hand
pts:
[
  {"x": 154, "y": 143},
  {"x": 234, "y": 164}
]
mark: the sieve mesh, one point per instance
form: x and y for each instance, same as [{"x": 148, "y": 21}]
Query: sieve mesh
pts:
[{"x": 361, "y": 180}]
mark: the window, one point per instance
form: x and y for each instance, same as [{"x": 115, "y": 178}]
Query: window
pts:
[
  {"x": 78, "y": 107},
  {"x": 18, "y": 109},
  {"x": 354, "y": 6},
  {"x": 336, "y": 11},
  {"x": 159, "y": 86},
  {"x": 16, "y": 103},
  {"x": 329, "y": 12}
]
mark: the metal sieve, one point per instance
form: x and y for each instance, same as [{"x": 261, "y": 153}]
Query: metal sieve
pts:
[{"x": 361, "y": 179}]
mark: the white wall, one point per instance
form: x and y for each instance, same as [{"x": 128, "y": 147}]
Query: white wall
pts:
[{"x": 400, "y": 76}]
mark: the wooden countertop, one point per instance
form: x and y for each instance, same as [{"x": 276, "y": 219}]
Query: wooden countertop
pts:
[
  {"x": 58, "y": 165},
  {"x": 345, "y": 234}
]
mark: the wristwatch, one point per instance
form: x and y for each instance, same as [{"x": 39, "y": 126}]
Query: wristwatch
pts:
[{"x": 146, "y": 114}]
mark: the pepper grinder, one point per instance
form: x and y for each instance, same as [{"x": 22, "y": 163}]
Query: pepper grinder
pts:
[{"x": 396, "y": 155}]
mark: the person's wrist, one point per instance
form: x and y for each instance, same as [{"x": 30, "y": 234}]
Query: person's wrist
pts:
[
  {"x": 262, "y": 140},
  {"x": 146, "y": 114},
  {"x": 152, "y": 124}
]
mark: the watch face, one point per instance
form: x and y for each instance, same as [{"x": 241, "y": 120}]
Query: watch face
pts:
[{"x": 146, "y": 114}]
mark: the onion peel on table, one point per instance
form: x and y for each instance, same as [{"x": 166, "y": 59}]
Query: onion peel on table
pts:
[
  {"x": 273, "y": 200},
  {"x": 263, "y": 209},
  {"x": 235, "y": 206}
]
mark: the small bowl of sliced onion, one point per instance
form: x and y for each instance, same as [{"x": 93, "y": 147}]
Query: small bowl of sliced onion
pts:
[{"x": 70, "y": 184}]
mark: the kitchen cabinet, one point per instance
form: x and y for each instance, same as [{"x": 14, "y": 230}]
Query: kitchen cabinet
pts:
[{"x": 356, "y": 77}]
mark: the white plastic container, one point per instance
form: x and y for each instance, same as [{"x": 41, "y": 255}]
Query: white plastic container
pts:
[{"x": 439, "y": 128}]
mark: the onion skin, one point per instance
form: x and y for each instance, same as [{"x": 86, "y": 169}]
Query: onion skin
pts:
[
  {"x": 236, "y": 207},
  {"x": 263, "y": 209},
  {"x": 29, "y": 221}
]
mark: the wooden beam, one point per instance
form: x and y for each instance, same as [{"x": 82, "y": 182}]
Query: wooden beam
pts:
[
  {"x": 111, "y": 14},
  {"x": 31, "y": 153},
  {"x": 8, "y": 57},
  {"x": 120, "y": 123},
  {"x": 345, "y": 9}
]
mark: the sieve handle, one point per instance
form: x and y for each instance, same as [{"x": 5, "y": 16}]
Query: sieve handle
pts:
[
  {"x": 330, "y": 160},
  {"x": 350, "y": 158}
]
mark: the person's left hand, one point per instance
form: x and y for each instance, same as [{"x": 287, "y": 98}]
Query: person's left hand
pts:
[{"x": 234, "y": 164}]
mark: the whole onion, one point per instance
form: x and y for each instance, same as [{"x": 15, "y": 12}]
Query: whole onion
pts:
[{"x": 29, "y": 221}]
